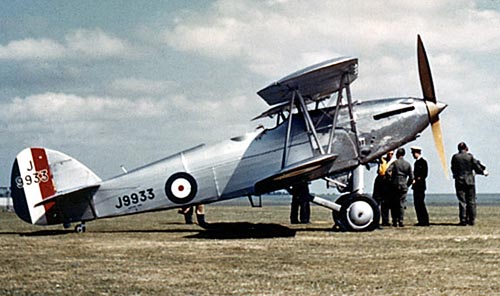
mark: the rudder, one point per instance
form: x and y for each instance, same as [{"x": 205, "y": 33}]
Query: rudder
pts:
[{"x": 38, "y": 174}]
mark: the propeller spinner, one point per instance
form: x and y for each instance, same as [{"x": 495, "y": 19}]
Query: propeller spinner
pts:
[{"x": 433, "y": 106}]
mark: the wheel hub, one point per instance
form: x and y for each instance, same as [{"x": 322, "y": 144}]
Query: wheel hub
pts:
[{"x": 359, "y": 215}]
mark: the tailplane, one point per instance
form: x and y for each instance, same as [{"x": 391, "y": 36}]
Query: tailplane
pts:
[{"x": 41, "y": 176}]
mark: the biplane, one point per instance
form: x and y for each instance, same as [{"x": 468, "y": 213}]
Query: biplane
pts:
[{"x": 320, "y": 133}]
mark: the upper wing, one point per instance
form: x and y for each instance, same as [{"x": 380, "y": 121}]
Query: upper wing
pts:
[{"x": 313, "y": 82}]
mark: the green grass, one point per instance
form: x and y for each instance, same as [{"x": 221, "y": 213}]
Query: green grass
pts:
[{"x": 157, "y": 254}]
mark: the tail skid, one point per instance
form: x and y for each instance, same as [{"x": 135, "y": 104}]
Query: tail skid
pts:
[{"x": 42, "y": 178}]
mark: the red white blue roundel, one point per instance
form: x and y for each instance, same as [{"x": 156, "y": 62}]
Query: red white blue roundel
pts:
[{"x": 181, "y": 188}]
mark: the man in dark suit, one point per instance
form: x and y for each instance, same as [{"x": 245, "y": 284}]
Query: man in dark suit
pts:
[
  {"x": 401, "y": 176},
  {"x": 420, "y": 172},
  {"x": 464, "y": 166},
  {"x": 300, "y": 203}
]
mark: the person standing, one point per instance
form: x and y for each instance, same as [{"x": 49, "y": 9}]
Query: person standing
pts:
[
  {"x": 420, "y": 172},
  {"x": 381, "y": 187},
  {"x": 464, "y": 167},
  {"x": 300, "y": 207},
  {"x": 188, "y": 214},
  {"x": 401, "y": 176}
]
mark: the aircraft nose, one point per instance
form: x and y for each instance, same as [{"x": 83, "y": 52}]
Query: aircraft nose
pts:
[
  {"x": 435, "y": 109},
  {"x": 441, "y": 106}
]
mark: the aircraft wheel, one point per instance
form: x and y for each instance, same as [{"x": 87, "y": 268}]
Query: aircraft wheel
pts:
[
  {"x": 80, "y": 228},
  {"x": 359, "y": 213}
]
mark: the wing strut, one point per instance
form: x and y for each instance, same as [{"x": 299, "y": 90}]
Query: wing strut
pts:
[
  {"x": 309, "y": 124},
  {"x": 351, "y": 115},
  {"x": 344, "y": 84},
  {"x": 336, "y": 115},
  {"x": 311, "y": 129},
  {"x": 288, "y": 132}
]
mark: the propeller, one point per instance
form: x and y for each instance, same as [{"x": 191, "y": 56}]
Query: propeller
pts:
[{"x": 433, "y": 106}]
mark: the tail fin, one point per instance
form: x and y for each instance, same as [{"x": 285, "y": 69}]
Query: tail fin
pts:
[{"x": 39, "y": 174}]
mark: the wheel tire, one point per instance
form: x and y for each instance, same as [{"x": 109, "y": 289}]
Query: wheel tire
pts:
[
  {"x": 360, "y": 213},
  {"x": 80, "y": 228},
  {"x": 337, "y": 216}
]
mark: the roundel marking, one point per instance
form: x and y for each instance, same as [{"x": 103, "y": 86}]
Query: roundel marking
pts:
[{"x": 181, "y": 188}]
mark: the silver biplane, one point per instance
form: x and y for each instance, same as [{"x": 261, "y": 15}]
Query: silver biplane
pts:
[{"x": 309, "y": 142}]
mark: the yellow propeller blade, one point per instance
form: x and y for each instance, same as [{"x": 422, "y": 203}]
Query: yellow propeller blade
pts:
[
  {"x": 438, "y": 141},
  {"x": 433, "y": 106}
]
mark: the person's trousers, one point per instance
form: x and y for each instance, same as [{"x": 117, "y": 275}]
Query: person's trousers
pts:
[
  {"x": 466, "y": 195},
  {"x": 420, "y": 208},
  {"x": 398, "y": 206}
]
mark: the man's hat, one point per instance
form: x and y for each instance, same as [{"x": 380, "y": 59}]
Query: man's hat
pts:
[{"x": 416, "y": 148}]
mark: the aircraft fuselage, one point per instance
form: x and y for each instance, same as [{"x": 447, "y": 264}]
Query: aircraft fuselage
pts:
[{"x": 231, "y": 168}]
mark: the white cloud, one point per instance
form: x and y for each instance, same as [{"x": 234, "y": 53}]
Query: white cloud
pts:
[
  {"x": 95, "y": 43},
  {"x": 282, "y": 35},
  {"x": 61, "y": 108},
  {"x": 64, "y": 108},
  {"x": 77, "y": 44},
  {"x": 141, "y": 87},
  {"x": 219, "y": 40},
  {"x": 469, "y": 29},
  {"x": 32, "y": 49}
]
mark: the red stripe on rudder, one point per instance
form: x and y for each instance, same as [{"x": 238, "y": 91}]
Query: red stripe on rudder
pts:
[{"x": 42, "y": 163}]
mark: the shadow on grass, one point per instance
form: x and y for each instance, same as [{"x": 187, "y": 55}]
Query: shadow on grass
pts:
[
  {"x": 225, "y": 230},
  {"x": 51, "y": 232},
  {"x": 148, "y": 231},
  {"x": 70, "y": 231},
  {"x": 445, "y": 224},
  {"x": 243, "y": 230}
]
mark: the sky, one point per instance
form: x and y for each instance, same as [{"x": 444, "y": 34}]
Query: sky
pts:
[{"x": 114, "y": 83}]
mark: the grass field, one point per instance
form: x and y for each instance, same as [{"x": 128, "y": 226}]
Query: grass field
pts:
[{"x": 155, "y": 254}]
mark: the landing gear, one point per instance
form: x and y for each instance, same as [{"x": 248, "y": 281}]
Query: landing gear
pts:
[
  {"x": 358, "y": 212},
  {"x": 79, "y": 228}
]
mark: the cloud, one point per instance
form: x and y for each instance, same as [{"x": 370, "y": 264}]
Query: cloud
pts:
[
  {"x": 95, "y": 43},
  {"x": 218, "y": 40},
  {"x": 77, "y": 44},
  {"x": 270, "y": 36},
  {"x": 469, "y": 29},
  {"x": 142, "y": 87},
  {"x": 32, "y": 49},
  {"x": 272, "y": 40},
  {"x": 64, "y": 108}
]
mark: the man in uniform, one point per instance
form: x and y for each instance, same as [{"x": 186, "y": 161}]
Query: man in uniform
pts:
[
  {"x": 381, "y": 187},
  {"x": 464, "y": 166},
  {"x": 401, "y": 176},
  {"x": 420, "y": 172}
]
